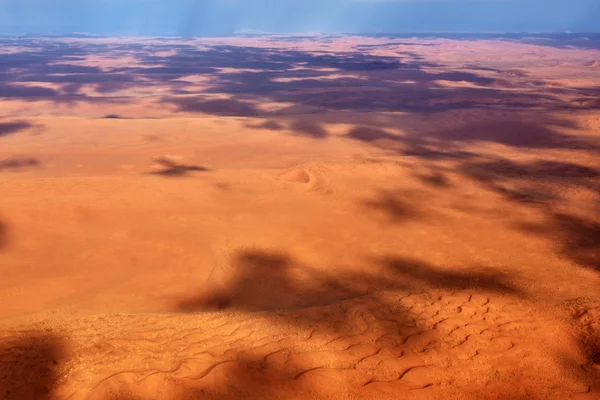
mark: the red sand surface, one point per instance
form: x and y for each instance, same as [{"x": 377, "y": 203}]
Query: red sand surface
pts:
[{"x": 299, "y": 218}]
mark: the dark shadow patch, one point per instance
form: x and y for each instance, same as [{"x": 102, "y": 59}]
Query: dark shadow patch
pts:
[
  {"x": 417, "y": 148},
  {"x": 3, "y": 235},
  {"x": 114, "y": 116},
  {"x": 486, "y": 279},
  {"x": 450, "y": 145},
  {"x": 530, "y": 182},
  {"x": 408, "y": 145},
  {"x": 265, "y": 281},
  {"x": 395, "y": 207},
  {"x": 14, "y": 91},
  {"x": 17, "y": 163},
  {"x": 9, "y": 128},
  {"x": 111, "y": 87},
  {"x": 79, "y": 78},
  {"x": 515, "y": 133},
  {"x": 575, "y": 237},
  {"x": 221, "y": 107},
  {"x": 527, "y": 195},
  {"x": 459, "y": 76},
  {"x": 172, "y": 169},
  {"x": 369, "y": 134},
  {"x": 251, "y": 268},
  {"x": 309, "y": 128},
  {"x": 381, "y": 83},
  {"x": 435, "y": 179},
  {"x": 543, "y": 169},
  {"x": 268, "y": 125},
  {"x": 581, "y": 239},
  {"x": 29, "y": 367},
  {"x": 586, "y": 326},
  {"x": 71, "y": 88}
]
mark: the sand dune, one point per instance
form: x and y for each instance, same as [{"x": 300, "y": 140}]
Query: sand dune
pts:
[
  {"x": 299, "y": 218},
  {"x": 298, "y": 176}
]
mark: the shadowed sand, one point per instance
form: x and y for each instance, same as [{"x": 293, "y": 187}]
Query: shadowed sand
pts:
[{"x": 300, "y": 217}]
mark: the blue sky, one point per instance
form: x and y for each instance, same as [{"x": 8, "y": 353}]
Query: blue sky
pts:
[{"x": 223, "y": 17}]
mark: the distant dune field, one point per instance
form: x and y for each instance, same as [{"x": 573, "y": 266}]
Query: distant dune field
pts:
[{"x": 316, "y": 217}]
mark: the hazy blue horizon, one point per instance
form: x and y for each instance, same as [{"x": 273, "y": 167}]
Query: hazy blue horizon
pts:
[{"x": 227, "y": 17}]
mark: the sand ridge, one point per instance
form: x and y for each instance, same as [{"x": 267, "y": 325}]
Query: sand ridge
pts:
[{"x": 298, "y": 176}]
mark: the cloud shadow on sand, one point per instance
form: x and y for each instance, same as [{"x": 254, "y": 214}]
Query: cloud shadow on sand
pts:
[
  {"x": 573, "y": 237},
  {"x": 3, "y": 235},
  {"x": 29, "y": 366},
  {"x": 172, "y": 169},
  {"x": 536, "y": 183},
  {"x": 15, "y": 163},
  {"x": 266, "y": 281},
  {"x": 9, "y": 128},
  {"x": 341, "y": 310}
]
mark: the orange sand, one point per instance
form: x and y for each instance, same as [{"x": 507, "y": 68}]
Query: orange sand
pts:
[{"x": 353, "y": 231}]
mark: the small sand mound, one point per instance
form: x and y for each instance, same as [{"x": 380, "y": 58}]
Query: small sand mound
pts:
[{"x": 297, "y": 176}]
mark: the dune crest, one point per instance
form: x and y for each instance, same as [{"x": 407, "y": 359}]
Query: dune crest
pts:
[{"x": 295, "y": 176}]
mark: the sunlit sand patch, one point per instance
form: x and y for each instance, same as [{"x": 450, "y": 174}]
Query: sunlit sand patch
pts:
[
  {"x": 320, "y": 78},
  {"x": 107, "y": 63},
  {"x": 20, "y": 49},
  {"x": 195, "y": 78},
  {"x": 304, "y": 67},
  {"x": 458, "y": 84},
  {"x": 165, "y": 53},
  {"x": 238, "y": 70},
  {"x": 48, "y": 85}
]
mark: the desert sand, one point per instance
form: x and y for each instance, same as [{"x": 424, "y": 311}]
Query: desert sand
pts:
[{"x": 299, "y": 218}]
